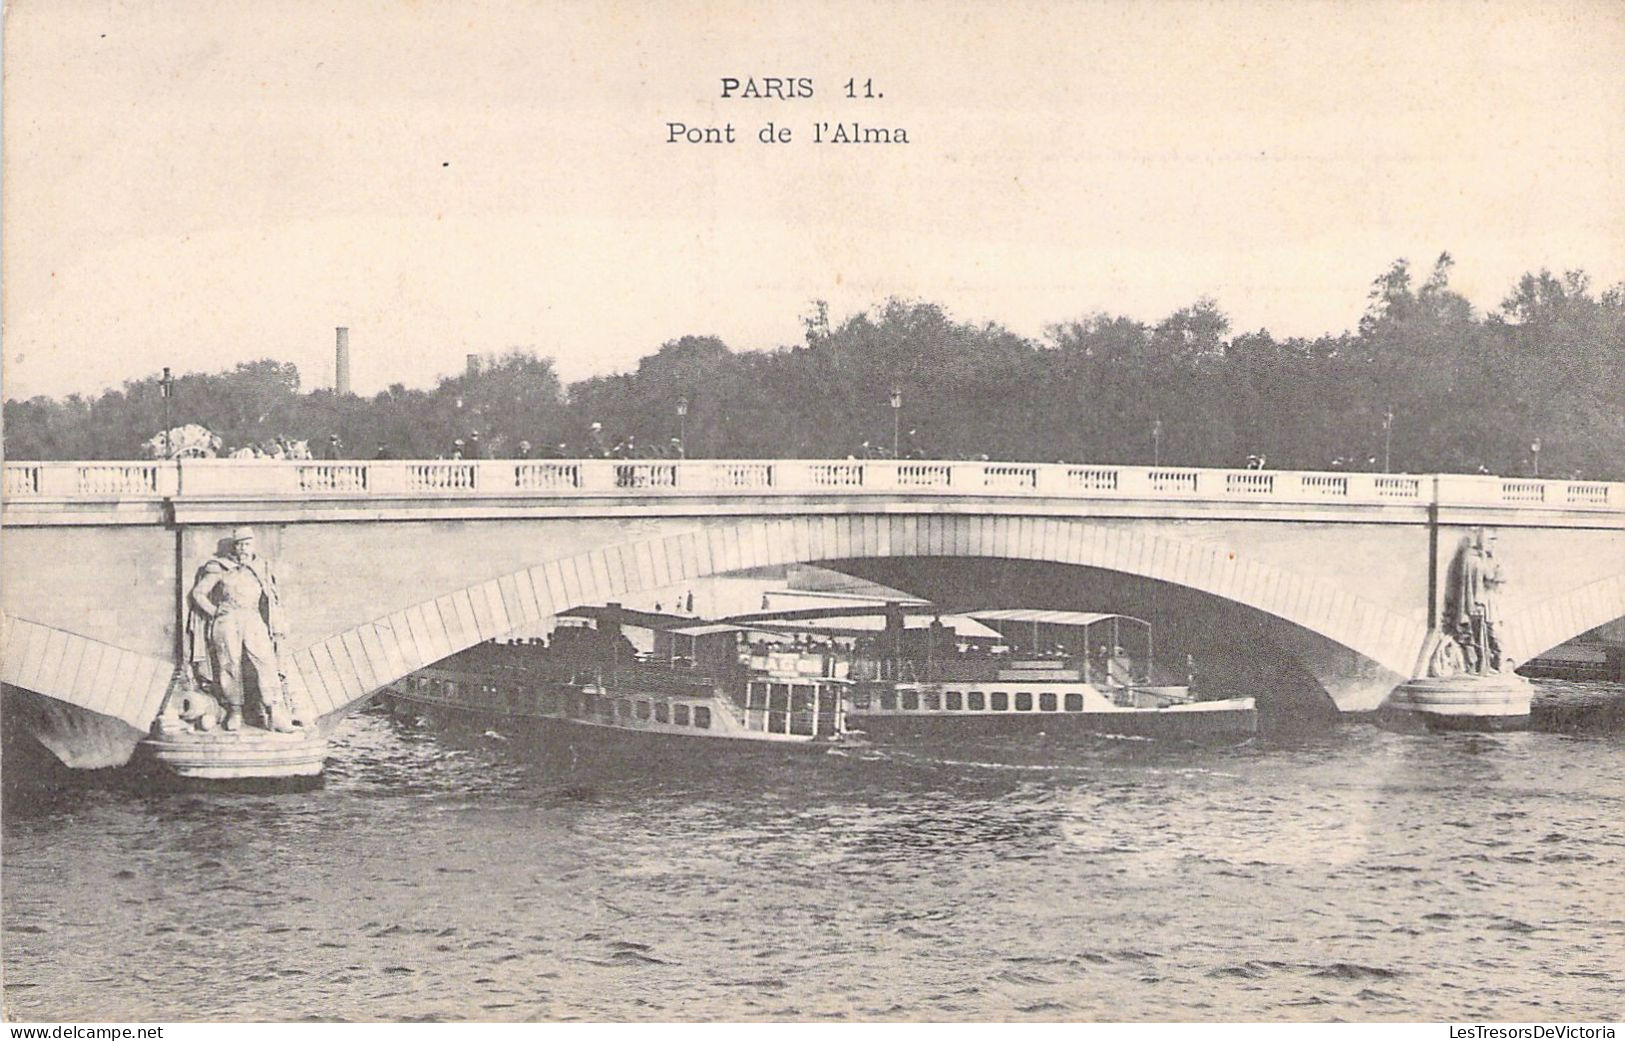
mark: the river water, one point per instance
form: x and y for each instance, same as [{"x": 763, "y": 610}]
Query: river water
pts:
[{"x": 1351, "y": 874}]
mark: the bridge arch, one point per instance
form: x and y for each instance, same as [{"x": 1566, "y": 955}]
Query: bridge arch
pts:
[
  {"x": 336, "y": 672},
  {"x": 84, "y": 672},
  {"x": 1542, "y": 625}
]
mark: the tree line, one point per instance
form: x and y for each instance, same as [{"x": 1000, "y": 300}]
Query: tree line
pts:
[{"x": 1424, "y": 383}]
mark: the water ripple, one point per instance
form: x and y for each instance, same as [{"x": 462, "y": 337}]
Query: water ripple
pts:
[{"x": 443, "y": 875}]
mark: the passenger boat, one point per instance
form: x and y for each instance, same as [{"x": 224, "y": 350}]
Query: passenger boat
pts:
[
  {"x": 765, "y": 710},
  {"x": 1028, "y": 672},
  {"x": 1050, "y": 683},
  {"x": 595, "y": 684}
]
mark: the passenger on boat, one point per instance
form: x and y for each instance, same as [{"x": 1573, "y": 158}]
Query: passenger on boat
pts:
[{"x": 1122, "y": 670}]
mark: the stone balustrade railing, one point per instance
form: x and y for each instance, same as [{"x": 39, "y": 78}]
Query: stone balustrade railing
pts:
[{"x": 226, "y": 479}]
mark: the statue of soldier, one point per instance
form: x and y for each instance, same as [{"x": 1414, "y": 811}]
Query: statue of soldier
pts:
[
  {"x": 1474, "y": 607},
  {"x": 236, "y": 597}
]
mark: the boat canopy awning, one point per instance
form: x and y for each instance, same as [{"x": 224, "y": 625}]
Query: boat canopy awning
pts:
[
  {"x": 1078, "y": 619},
  {"x": 713, "y": 628},
  {"x": 626, "y": 616},
  {"x": 964, "y": 627}
]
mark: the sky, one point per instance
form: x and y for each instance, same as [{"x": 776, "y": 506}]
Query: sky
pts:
[{"x": 198, "y": 184}]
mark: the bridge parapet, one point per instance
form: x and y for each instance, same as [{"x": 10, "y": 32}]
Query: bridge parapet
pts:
[{"x": 99, "y": 481}]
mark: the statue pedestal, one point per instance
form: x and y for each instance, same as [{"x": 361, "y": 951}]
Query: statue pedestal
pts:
[
  {"x": 1466, "y": 702},
  {"x": 247, "y": 754}
]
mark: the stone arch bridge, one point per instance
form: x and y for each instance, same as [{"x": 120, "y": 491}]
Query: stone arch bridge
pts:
[{"x": 388, "y": 566}]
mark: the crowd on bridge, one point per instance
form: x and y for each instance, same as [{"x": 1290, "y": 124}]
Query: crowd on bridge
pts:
[
  {"x": 278, "y": 447},
  {"x": 598, "y": 446}
]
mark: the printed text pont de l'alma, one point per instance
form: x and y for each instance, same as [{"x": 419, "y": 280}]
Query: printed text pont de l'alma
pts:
[{"x": 771, "y": 132}]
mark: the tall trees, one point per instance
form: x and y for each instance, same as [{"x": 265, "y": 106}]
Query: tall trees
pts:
[
  {"x": 1562, "y": 351},
  {"x": 1465, "y": 391}
]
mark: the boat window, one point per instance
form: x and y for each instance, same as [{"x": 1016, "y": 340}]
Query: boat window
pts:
[
  {"x": 976, "y": 701},
  {"x": 1024, "y": 701},
  {"x": 679, "y": 715},
  {"x": 643, "y": 710},
  {"x": 933, "y": 700},
  {"x": 1074, "y": 701},
  {"x": 888, "y": 700},
  {"x": 956, "y": 700},
  {"x": 860, "y": 698},
  {"x": 662, "y": 712},
  {"x": 1000, "y": 701},
  {"x": 1046, "y": 702},
  {"x": 911, "y": 699},
  {"x": 702, "y": 717}
]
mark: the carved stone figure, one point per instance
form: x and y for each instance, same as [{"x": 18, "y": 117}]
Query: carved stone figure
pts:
[
  {"x": 1446, "y": 659},
  {"x": 235, "y": 625},
  {"x": 184, "y": 442},
  {"x": 1472, "y": 615}
]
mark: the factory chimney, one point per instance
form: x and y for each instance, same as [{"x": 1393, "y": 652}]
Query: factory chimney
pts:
[{"x": 341, "y": 363}]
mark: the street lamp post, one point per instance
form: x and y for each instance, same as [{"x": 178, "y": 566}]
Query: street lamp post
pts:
[
  {"x": 166, "y": 389},
  {"x": 682, "y": 427},
  {"x": 1534, "y": 450},
  {"x": 1156, "y": 442},
  {"x": 896, "y": 419},
  {"x": 1387, "y": 438}
]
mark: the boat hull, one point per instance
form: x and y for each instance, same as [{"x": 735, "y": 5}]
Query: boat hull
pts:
[
  {"x": 1225, "y": 721},
  {"x": 562, "y": 730}
]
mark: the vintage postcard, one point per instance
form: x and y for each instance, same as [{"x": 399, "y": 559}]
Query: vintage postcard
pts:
[{"x": 880, "y": 512}]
